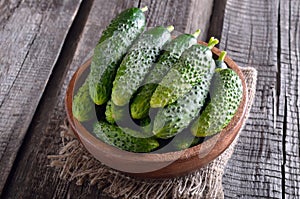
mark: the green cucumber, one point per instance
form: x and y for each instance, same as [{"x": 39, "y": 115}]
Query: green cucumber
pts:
[
  {"x": 175, "y": 117},
  {"x": 108, "y": 112},
  {"x": 83, "y": 107},
  {"x": 123, "y": 21},
  {"x": 112, "y": 46},
  {"x": 226, "y": 94},
  {"x": 114, "y": 136},
  {"x": 138, "y": 62},
  {"x": 193, "y": 64},
  {"x": 140, "y": 105}
]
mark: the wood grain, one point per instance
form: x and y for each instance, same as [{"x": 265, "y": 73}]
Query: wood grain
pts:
[
  {"x": 288, "y": 102},
  {"x": 31, "y": 37},
  {"x": 216, "y": 20},
  {"x": 43, "y": 136},
  {"x": 265, "y": 35},
  {"x": 250, "y": 35},
  {"x": 185, "y": 16},
  {"x": 200, "y": 13}
]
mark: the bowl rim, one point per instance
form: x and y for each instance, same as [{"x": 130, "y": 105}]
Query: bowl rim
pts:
[{"x": 222, "y": 140}]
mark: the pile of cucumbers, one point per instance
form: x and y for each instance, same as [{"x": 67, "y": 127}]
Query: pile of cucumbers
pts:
[{"x": 155, "y": 90}]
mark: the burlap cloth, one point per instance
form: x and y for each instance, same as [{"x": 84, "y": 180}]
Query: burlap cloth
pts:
[{"x": 75, "y": 163}]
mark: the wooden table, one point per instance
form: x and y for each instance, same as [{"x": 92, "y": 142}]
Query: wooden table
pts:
[{"x": 43, "y": 42}]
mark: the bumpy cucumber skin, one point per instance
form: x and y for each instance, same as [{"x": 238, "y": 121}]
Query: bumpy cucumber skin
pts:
[
  {"x": 175, "y": 117},
  {"x": 137, "y": 63},
  {"x": 82, "y": 105},
  {"x": 108, "y": 112},
  {"x": 141, "y": 103},
  {"x": 226, "y": 94},
  {"x": 114, "y": 136},
  {"x": 113, "y": 45},
  {"x": 190, "y": 69},
  {"x": 123, "y": 20}
]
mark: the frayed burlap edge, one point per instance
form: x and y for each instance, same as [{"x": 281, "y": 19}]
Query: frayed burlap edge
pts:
[{"x": 77, "y": 164}]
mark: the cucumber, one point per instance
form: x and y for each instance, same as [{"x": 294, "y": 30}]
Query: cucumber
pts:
[
  {"x": 138, "y": 62},
  {"x": 220, "y": 61},
  {"x": 192, "y": 66},
  {"x": 140, "y": 105},
  {"x": 175, "y": 117},
  {"x": 82, "y": 106},
  {"x": 226, "y": 94},
  {"x": 108, "y": 112},
  {"x": 125, "y": 20},
  {"x": 112, "y": 46},
  {"x": 116, "y": 137}
]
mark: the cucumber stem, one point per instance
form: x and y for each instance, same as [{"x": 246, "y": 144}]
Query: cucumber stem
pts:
[
  {"x": 222, "y": 56},
  {"x": 197, "y": 33},
  {"x": 212, "y": 42},
  {"x": 144, "y": 9},
  {"x": 170, "y": 28}
]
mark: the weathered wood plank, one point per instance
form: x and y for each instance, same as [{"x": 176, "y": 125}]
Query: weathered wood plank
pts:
[
  {"x": 43, "y": 137},
  {"x": 266, "y": 161},
  {"x": 289, "y": 95},
  {"x": 185, "y": 16},
  {"x": 31, "y": 37},
  {"x": 199, "y": 17},
  {"x": 216, "y": 20}
]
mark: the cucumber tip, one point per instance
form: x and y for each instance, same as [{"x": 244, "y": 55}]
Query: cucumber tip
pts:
[
  {"x": 144, "y": 9},
  {"x": 212, "y": 42},
  {"x": 197, "y": 33},
  {"x": 170, "y": 28}
]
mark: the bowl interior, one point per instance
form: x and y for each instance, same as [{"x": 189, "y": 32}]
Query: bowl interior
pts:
[{"x": 157, "y": 165}]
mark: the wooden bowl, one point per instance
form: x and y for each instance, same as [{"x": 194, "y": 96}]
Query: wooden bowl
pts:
[{"x": 157, "y": 165}]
